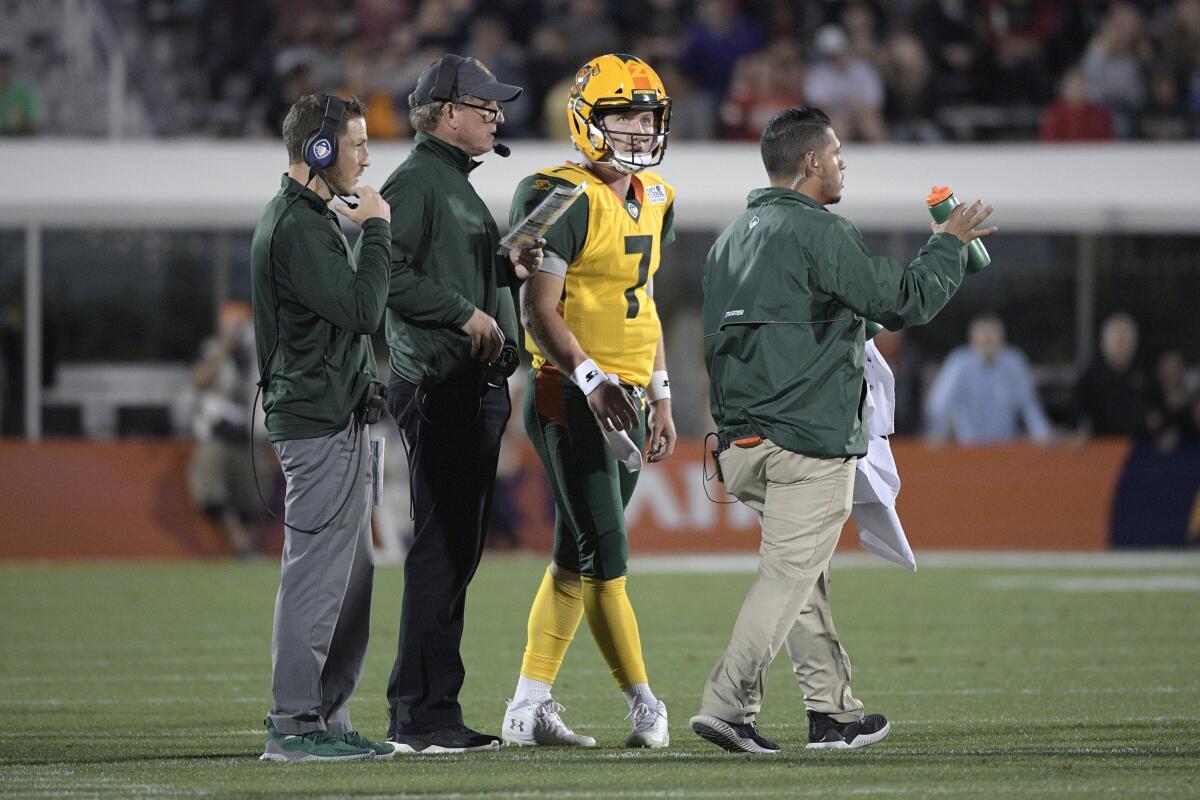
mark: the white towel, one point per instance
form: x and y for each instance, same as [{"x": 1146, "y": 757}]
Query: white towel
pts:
[
  {"x": 878, "y": 481},
  {"x": 619, "y": 445}
]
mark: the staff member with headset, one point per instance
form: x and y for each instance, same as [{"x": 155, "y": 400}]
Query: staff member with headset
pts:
[
  {"x": 315, "y": 307},
  {"x": 787, "y": 288},
  {"x": 451, "y": 330}
]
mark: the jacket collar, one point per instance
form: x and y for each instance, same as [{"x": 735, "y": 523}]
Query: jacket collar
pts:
[
  {"x": 444, "y": 151},
  {"x": 289, "y": 186},
  {"x": 777, "y": 194}
]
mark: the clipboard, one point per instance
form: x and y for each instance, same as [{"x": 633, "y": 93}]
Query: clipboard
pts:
[{"x": 526, "y": 233}]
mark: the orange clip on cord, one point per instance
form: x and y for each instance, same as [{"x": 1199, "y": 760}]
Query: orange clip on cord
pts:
[{"x": 748, "y": 441}]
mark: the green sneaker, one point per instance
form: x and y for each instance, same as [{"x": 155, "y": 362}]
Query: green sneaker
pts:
[
  {"x": 381, "y": 749},
  {"x": 312, "y": 746}
]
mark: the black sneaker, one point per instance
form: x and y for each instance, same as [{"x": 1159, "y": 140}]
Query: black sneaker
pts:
[
  {"x": 732, "y": 737},
  {"x": 761, "y": 741},
  {"x": 455, "y": 739},
  {"x": 826, "y": 733}
]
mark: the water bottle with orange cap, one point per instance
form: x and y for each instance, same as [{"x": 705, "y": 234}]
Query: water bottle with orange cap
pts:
[{"x": 941, "y": 202}]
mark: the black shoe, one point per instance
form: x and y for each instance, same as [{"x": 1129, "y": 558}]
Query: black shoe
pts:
[
  {"x": 761, "y": 741},
  {"x": 826, "y": 733},
  {"x": 732, "y": 737},
  {"x": 455, "y": 739}
]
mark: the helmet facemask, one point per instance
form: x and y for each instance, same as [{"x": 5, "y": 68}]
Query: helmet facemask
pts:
[{"x": 610, "y": 144}]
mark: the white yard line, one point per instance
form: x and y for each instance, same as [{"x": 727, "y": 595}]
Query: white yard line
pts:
[
  {"x": 76, "y": 680},
  {"x": 1092, "y": 583},
  {"x": 748, "y": 562}
]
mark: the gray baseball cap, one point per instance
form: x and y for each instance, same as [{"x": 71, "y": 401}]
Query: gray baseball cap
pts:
[{"x": 452, "y": 77}]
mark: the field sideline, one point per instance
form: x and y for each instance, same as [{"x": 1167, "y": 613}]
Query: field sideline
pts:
[{"x": 1003, "y": 676}]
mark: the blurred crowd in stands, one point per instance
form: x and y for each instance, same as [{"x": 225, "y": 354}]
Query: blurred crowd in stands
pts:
[
  {"x": 985, "y": 392},
  {"x": 904, "y": 71}
]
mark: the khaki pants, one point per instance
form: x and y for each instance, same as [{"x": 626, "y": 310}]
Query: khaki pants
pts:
[{"x": 803, "y": 503}]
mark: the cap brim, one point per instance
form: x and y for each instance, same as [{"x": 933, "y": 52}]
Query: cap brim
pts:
[{"x": 500, "y": 92}]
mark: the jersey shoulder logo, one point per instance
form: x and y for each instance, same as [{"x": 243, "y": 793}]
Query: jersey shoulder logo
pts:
[
  {"x": 656, "y": 194},
  {"x": 753, "y": 222},
  {"x": 542, "y": 185}
]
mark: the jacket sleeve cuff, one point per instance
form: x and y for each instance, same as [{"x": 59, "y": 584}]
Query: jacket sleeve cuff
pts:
[
  {"x": 950, "y": 245},
  {"x": 377, "y": 228},
  {"x": 948, "y": 238},
  {"x": 464, "y": 312}
]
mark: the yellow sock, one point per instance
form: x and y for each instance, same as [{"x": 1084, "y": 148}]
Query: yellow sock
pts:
[
  {"x": 615, "y": 629},
  {"x": 553, "y": 620}
]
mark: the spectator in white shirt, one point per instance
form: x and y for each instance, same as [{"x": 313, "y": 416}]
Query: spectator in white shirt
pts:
[{"x": 846, "y": 87}]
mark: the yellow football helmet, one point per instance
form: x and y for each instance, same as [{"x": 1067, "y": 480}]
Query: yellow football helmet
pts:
[{"x": 617, "y": 82}]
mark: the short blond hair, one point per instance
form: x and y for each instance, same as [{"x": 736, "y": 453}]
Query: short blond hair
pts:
[{"x": 424, "y": 118}]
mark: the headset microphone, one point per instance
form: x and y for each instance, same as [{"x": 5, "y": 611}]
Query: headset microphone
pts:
[{"x": 502, "y": 150}]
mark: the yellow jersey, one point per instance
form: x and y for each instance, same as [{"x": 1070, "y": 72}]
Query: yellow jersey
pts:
[{"x": 612, "y": 247}]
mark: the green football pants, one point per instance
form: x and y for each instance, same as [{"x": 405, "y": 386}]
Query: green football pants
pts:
[{"x": 590, "y": 488}]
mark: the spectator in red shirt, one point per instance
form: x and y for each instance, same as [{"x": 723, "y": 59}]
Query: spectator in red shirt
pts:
[
  {"x": 763, "y": 84},
  {"x": 1074, "y": 118}
]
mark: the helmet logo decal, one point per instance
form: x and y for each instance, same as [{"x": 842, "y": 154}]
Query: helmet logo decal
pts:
[
  {"x": 641, "y": 79},
  {"x": 582, "y": 77}
]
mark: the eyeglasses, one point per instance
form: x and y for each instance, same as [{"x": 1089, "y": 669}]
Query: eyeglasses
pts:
[{"x": 489, "y": 114}]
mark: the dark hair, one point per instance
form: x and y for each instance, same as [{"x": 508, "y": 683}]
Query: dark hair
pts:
[
  {"x": 304, "y": 119},
  {"x": 788, "y": 136}
]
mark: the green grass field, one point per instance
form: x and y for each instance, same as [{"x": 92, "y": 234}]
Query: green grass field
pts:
[{"x": 1002, "y": 680}]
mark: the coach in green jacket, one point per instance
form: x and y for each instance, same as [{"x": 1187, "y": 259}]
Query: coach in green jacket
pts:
[
  {"x": 449, "y": 314},
  {"x": 787, "y": 288},
  {"x": 315, "y": 307}
]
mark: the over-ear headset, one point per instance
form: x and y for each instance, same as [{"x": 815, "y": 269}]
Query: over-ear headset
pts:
[
  {"x": 320, "y": 149},
  {"x": 443, "y": 81}
]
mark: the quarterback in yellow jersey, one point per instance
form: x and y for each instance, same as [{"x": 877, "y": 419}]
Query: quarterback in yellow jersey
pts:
[{"x": 598, "y": 360}]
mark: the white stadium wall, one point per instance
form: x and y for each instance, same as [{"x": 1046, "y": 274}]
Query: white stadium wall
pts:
[{"x": 1146, "y": 188}]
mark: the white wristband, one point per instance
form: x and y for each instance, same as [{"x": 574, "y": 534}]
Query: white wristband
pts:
[
  {"x": 660, "y": 386},
  {"x": 588, "y": 376}
]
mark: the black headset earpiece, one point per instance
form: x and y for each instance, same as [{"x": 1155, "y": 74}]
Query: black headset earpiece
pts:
[
  {"x": 443, "y": 81},
  {"x": 320, "y": 149}
]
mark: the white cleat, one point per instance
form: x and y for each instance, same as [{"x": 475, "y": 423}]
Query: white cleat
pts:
[
  {"x": 533, "y": 724},
  {"x": 649, "y": 726}
]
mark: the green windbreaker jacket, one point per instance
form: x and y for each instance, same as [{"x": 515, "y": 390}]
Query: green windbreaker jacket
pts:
[
  {"x": 444, "y": 263},
  {"x": 329, "y": 302},
  {"x": 787, "y": 287}
]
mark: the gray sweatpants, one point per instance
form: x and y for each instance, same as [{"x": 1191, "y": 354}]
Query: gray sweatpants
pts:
[{"x": 323, "y": 610}]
